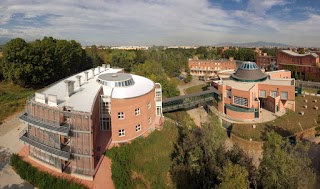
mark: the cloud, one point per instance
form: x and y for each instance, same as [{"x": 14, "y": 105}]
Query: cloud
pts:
[
  {"x": 144, "y": 22},
  {"x": 259, "y": 7}
]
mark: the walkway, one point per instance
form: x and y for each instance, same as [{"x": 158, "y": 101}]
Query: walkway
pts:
[{"x": 9, "y": 143}]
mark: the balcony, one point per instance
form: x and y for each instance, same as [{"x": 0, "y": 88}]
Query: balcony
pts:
[
  {"x": 31, "y": 140},
  {"x": 62, "y": 130}
]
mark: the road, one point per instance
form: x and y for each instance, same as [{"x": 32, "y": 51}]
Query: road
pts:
[{"x": 9, "y": 143}]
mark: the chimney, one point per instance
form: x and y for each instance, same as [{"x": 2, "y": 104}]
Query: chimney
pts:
[
  {"x": 108, "y": 65},
  {"x": 265, "y": 54},
  {"x": 92, "y": 70},
  {"x": 69, "y": 88},
  {"x": 78, "y": 80},
  {"x": 104, "y": 67},
  {"x": 98, "y": 69},
  {"x": 230, "y": 58},
  {"x": 86, "y": 76},
  {"x": 195, "y": 58}
]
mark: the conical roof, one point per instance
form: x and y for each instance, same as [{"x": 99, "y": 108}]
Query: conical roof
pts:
[{"x": 249, "y": 72}]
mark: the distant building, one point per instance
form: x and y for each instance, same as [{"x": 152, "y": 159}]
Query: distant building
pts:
[
  {"x": 246, "y": 91},
  {"x": 130, "y": 47},
  {"x": 267, "y": 62},
  {"x": 209, "y": 67},
  {"x": 302, "y": 66}
]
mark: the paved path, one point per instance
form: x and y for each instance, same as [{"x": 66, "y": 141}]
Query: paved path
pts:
[
  {"x": 9, "y": 143},
  {"x": 194, "y": 82}
]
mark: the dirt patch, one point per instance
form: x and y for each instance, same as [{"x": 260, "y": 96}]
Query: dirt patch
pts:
[
  {"x": 199, "y": 115},
  {"x": 140, "y": 180}
]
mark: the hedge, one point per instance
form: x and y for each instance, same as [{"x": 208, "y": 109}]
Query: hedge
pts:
[{"x": 38, "y": 178}]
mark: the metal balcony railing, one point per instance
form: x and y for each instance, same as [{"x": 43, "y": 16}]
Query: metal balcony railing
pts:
[
  {"x": 62, "y": 130},
  {"x": 32, "y": 140}
]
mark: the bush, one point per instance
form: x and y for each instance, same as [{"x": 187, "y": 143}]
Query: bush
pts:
[
  {"x": 38, "y": 178},
  {"x": 188, "y": 79}
]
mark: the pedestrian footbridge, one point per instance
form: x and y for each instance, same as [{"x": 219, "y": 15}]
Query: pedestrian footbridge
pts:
[{"x": 190, "y": 100}]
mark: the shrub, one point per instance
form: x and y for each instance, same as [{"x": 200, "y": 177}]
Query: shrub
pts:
[{"x": 38, "y": 178}]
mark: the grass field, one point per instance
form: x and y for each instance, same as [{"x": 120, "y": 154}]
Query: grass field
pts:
[
  {"x": 12, "y": 99},
  {"x": 290, "y": 123},
  {"x": 310, "y": 90},
  {"x": 197, "y": 88},
  {"x": 146, "y": 162}
]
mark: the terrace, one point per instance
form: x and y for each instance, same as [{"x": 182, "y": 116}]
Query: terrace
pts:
[{"x": 286, "y": 125}]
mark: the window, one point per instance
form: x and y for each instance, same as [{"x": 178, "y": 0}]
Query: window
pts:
[
  {"x": 120, "y": 115},
  {"x": 149, "y": 105},
  {"x": 240, "y": 101},
  {"x": 284, "y": 95},
  {"x": 158, "y": 96},
  {"x": 122, "y": 133},
  {"x": 149, "y": 120},
  {"x": 138, "y": 127},
  {"x": 262, "y": 93},
  {"x": 273, "y": 94},
  {"x": 228, "y": 93},
  {"x": 137, "y": 111}
]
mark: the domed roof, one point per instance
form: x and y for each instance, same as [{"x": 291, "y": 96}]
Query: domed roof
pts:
[{"x": 249, "y": 72}]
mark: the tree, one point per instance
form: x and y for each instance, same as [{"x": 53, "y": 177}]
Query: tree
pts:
[
  {"x": 233, "y": 176},
  {"x": 195, "y": 164},
  {"x": 94, "y": 59},
  {"x": 285, "y": 165},
  {"x": 42, "y": 62},
  {"x": 230, "y": 53},
  {"x": 123, "y": 59},
  {"x": 14, "y": 60}
]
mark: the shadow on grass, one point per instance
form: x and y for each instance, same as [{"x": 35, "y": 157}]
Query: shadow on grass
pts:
[{"x": 277, "y": 129}]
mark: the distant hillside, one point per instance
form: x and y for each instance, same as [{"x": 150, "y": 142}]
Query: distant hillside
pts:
[{"x": 255, "y": 44}]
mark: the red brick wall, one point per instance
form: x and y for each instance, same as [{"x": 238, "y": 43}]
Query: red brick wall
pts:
[
  {"x": 130, "y": 120},
  {"x": 240, "y": 115},
  {"x": 279, "y": 74}
]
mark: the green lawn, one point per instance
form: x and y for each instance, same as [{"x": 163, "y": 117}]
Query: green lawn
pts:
[
  {"x": 146, "y": 162},
  {"x": 310, "y": 90},
  {"x": 290, "y": 123},
  {"x": 197, "y": 88},
  {"x": 12, "y": 99}
]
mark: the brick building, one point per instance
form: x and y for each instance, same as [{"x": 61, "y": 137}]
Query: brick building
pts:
[
  {"x": 247, "y": 90},
  {"x": 209, "y": 67},
  {"x": 72, "y": 122},
  {"x": 266, "y": 62},
  {"x": 302, "y": 66}
]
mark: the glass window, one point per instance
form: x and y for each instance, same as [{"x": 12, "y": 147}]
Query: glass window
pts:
[
  {"x": 122, "y": 133},
  {"x": 120, "y": 115},
  {"x": 149, "y": 120},
  {"x": 273, "y": 94},
  {"x": 149, "y": 105},
  {"x": 240, "y": 101},
  {"x": 138, "y": 127},
  {"x": 284, "y": 95},
  {"x": 228, "y": 93},
  {"x": 137, "y": 111},
  {"x": 263, "y": 93}
]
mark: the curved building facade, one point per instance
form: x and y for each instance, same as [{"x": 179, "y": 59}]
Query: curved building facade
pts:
[
  {"x": 72, "y": 122},
  {"x": 246, "y": 91}
]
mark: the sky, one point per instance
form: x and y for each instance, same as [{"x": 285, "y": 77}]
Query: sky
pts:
[{"x": 163, "y": 22}]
